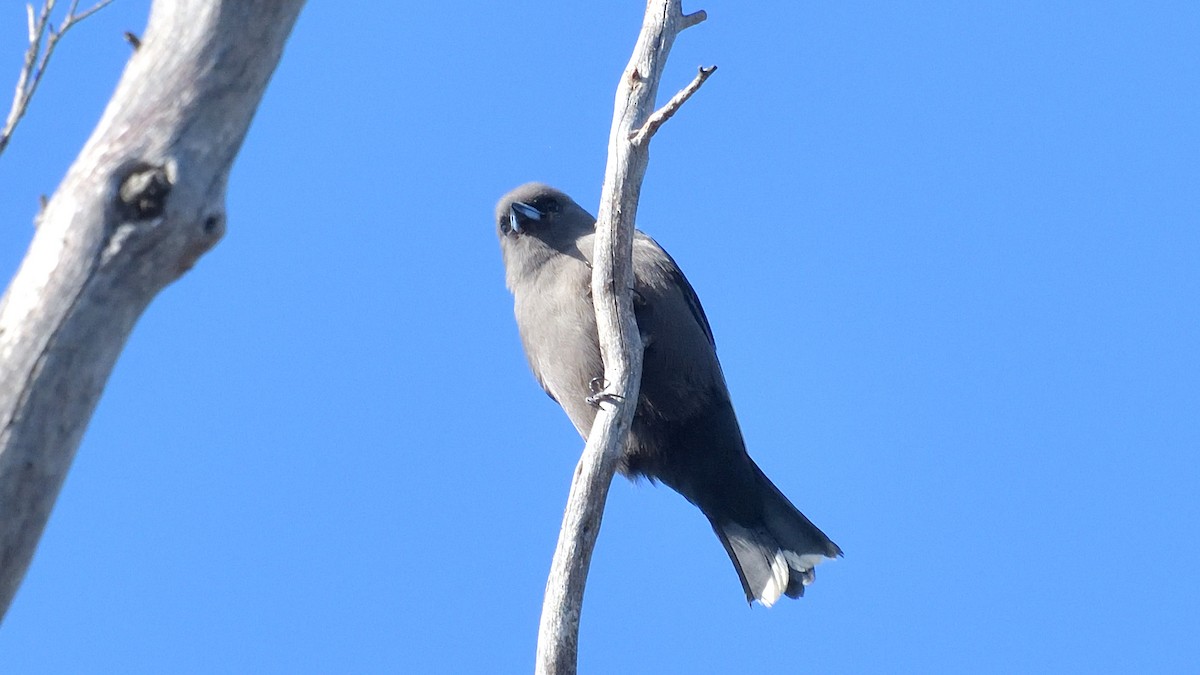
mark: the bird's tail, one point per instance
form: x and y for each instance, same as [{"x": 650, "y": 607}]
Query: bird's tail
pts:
[
  {"x": 776, "y": 552},
  {"x": 774, "y": 548}
]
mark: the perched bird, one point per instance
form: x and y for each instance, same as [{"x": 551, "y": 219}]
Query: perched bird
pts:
[{"x": 684, "y": 432}]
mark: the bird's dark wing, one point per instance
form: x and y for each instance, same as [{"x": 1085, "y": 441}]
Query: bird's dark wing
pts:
[{"x": 670, "y": 269}]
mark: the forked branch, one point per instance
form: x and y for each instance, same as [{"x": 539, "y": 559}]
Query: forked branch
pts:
[{"x": 37, "y": 59}]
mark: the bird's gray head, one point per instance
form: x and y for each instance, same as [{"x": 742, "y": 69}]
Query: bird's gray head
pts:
[
  {"x": 539, "y": 225},
  {"x": 540, "y": 211}
]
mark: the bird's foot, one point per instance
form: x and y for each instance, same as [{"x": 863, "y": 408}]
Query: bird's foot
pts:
[{"x": 600, "y": 393}]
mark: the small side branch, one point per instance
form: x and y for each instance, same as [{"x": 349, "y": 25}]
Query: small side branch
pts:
[
  {"x": 664, "y": 113},
  {"x": 36, "y": 59},
  {"x": 689, "y": 20}
]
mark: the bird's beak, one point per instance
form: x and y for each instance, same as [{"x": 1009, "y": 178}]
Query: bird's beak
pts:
[{"x": 520, "y": 213}]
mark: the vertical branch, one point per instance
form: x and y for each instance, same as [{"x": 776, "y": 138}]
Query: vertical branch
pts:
[{"x": 620, "y": 343}]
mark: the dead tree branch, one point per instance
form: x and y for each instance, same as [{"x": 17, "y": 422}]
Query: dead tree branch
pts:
[
  {"x": 660, "y": 116},
  {"x": 620, "y": 343},
  {"x": 142, "y": 202},
  {"x": 37, "y": 59}
]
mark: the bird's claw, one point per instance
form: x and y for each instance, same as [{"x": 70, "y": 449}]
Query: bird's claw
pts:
[
  {"x": 600, "y": 392},
  {"x": 639, "y": 300},
  {"x": 597, "y": 385},
  {"x": 596, "y": 399}
]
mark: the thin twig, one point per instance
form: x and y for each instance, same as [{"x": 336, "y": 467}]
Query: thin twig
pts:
[
  {"x": 76, "y": 18},
  {"x": 37, "y": 59},
  {"x": 37, "y": 28},
  {"x": 31, "y": 22},
  {"x": 664, "y": 113}
]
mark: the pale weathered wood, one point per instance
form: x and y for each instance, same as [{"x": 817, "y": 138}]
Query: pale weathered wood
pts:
[
  {"x": 620, "y": 343},
  {"x": 143, "y": 201}
]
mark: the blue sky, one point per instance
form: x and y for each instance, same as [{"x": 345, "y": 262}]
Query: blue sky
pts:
[{"x": 950, "y": 252}]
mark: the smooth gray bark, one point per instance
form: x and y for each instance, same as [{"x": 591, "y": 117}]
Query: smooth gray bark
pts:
[
  {"x": 142, "y": 202},
  {"x": 620, "y": 344}
]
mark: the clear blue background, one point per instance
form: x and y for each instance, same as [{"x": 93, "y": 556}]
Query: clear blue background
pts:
[{"x": 950, "y": 251}]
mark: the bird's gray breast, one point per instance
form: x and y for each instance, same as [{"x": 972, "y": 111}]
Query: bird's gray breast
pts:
[{"x": 558, "y": 329}]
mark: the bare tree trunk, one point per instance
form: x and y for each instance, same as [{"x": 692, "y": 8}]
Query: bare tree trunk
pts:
[
  {"x": 143, "y": 201},
  {"x": 620, "y": 344}
]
